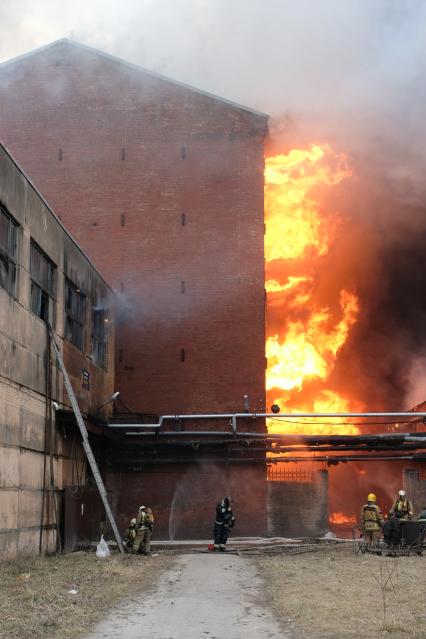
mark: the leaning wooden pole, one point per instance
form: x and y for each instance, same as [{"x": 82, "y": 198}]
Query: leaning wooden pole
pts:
[{"x": 86, "y": 445}]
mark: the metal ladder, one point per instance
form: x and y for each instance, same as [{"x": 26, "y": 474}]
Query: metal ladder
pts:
[{"x": 86, "y": 445}]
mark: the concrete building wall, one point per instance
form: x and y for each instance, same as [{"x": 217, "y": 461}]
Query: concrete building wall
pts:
[
  {"x": 29, "y": 447},
  {"x": 163, "y": 187},
  {"x": 298, "y": 509}
]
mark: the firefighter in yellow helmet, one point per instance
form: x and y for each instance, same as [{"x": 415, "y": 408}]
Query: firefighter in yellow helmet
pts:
[
  {"x": 402, "y": 507},
  {"x": 371, "y": 520}
]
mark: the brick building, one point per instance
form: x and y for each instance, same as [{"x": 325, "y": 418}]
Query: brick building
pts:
[{"x": 162, "y": 185}]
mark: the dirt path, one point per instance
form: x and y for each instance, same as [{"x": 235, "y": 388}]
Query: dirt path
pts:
[{"x": 202, "y": 597}]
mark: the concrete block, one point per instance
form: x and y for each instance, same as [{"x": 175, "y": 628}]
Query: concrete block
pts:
[
  {"x": 8, "y": 509},
  {"x": 8, "y": 545},
  {"x": 31, "y": 469},
  {"x": 9, "y": 467}
]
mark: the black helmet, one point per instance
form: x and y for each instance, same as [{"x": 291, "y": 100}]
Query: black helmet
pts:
[{"x": 227, "y": 501}]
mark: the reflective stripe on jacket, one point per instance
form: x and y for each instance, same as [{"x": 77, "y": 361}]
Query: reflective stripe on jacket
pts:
[{"x": 371, "y": 517}]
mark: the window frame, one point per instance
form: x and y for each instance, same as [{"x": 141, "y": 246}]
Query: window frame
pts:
[
  {"x": 75, "y": 322},
  {"x": 10, "y": 254},
  {"x": 46, "y": 292},
  {"x": 100, "y": 338}
]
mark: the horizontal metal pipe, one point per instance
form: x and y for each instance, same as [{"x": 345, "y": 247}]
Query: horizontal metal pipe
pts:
[
  {"x": 233, "y": 417},
  {"x": 280, "y": 436},
  {"x": 261, "y": 460}
]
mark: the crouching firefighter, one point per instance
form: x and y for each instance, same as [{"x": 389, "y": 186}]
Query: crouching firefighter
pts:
[
  {"x": 371, "y": 520},
  {"x": 130, "y": 535},
  {"x": 224, "y": 521}
]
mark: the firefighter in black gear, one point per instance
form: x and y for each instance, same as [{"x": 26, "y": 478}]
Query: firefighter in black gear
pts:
[{"x": 223, "y": 523}]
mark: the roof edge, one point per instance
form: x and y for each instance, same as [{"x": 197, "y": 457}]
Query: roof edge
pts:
[
  {"x": 136, "y": 67},
  {"x": 50, "y": 209}
]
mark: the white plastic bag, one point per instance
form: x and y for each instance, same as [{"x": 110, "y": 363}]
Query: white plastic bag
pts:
[{"x": 102, "y": 549}]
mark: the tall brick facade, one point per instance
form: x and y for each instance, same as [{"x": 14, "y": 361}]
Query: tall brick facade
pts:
[{"x": 162, "y": 185}]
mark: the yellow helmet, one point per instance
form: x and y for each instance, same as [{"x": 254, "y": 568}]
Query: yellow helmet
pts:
[{"x": 371, "y": 497}]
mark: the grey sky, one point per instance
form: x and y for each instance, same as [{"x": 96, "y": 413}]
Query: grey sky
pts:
[{"x": 329, "y": 57}]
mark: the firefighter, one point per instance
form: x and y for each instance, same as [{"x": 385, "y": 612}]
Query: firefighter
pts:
[
  {"x": 141, "y": 521},
  {"x": 224, "y": 521},
  {"x": 402, "y": 508},
  {"x": 144, "y": 528},
  {"x": 130, "y": 535},
  {"x": 371, "y": 520},
  {"x": 149, "y": 527}
]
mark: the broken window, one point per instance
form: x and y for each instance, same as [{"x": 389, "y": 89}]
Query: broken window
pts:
[
  {"x": 8, "y": 252},
  {"x": 42, "y": 272},
  {"x": 99, "y": 337},
  {"x": 75, "y": 313}
]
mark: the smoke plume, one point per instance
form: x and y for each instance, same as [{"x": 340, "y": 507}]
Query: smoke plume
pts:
[{"x": 347, "y": 73}]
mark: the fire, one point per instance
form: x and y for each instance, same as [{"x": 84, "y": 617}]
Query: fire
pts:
[
  {"x": 341, "y": 519},
  {"x": 304, "y": 335}
]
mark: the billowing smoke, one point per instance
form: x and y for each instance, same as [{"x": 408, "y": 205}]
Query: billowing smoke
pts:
[{"x": 347, "y": 73}]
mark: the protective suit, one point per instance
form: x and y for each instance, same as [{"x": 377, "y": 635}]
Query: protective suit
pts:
[
  {"x": 371, "y": 520},
  {"x": 224, "y": 522}
]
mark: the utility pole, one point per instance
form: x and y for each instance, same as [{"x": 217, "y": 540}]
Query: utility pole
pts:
[{"x": 86, "y": 445}]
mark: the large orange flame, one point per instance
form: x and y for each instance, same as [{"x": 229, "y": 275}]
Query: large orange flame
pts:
[{"x": 303, "y": 336}]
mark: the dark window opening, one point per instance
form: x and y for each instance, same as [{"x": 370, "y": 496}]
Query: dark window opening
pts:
[
  {"x": 123, "y": 219},
  {"x": 183, "y": 219},
  {"x": 120, "y": 355},
  {"x": 42, "y": 283},
  {"x": 182, "y": 286},
  {"x": 60, "y": 155},
  {"x": 100, "y": 337},
  {"x": 123, "y": 154},
  {"x": 183, "y": 152},
  {"x": 182, "y": 354},
  {"x": 75, "y": 312},
  {"x": 8, "y": 252}
]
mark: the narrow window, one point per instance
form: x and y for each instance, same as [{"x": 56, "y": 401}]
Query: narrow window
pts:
[
  {"x": 60, "y": 155},
  {"x": 120, "y": 355},
  {"x": 123, "y": 153},
  {"x": 182, "y": 354},
  {"x": 42, "y": 272},
  {"x": 182, "y": 286},
  {"x": 123, "y": 219},
  {"x": 183, "y": 152},
  {"x": 75, "y": 313},
  {"x": 100, "y": 337},
  {"x": 183, "y": 219},
  {"x": 8, "y": 252}
]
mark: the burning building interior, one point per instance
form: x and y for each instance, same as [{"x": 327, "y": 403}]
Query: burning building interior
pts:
[{"x": 223, "y": 241}]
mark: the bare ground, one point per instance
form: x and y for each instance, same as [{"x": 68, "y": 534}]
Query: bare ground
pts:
[
  {"x": 34, "y": 597},
  {"x": 333, "y": 594}
]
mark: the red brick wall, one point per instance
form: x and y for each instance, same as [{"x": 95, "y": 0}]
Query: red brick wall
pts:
[
  {"x": 184, "y": 497},
  {"x": 121, "y": 155}
]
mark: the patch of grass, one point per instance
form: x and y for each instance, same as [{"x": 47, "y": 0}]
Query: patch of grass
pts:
[
  {"x": 35, "y": 602},
  {"x": 332, "y": 594}
]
